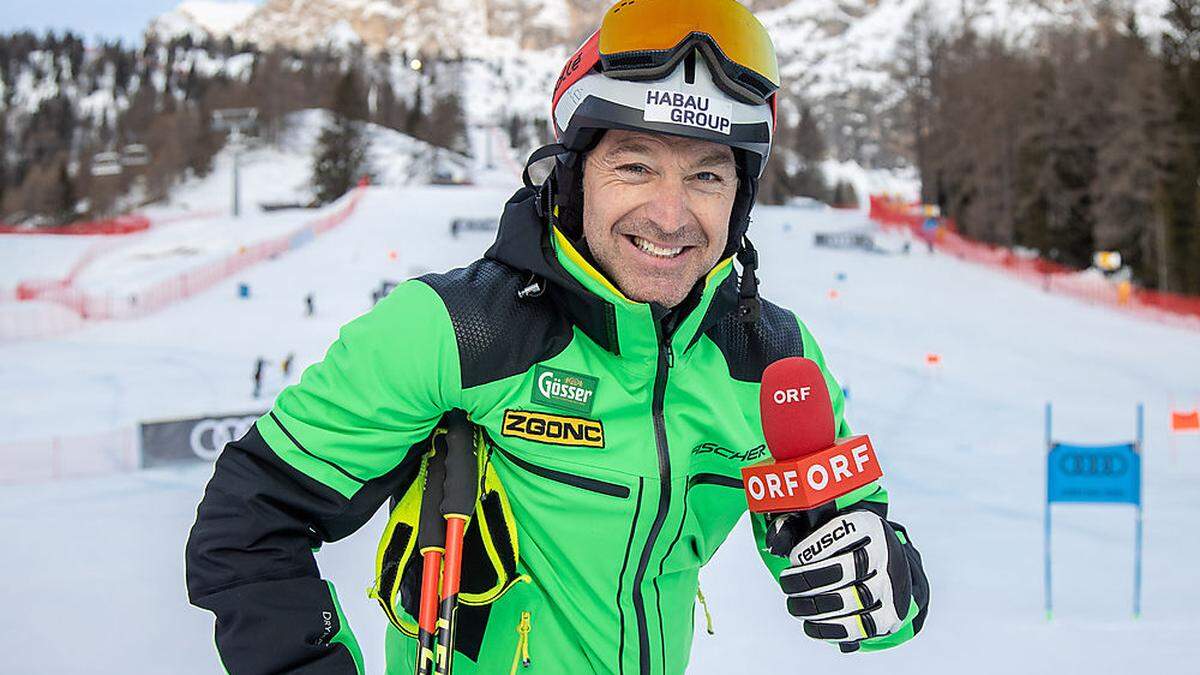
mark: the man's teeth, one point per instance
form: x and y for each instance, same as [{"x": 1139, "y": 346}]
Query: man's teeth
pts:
[{"x": 658, "y": 251}]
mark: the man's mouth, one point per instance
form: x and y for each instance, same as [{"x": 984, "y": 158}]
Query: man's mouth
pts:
[{"x": 650, "y": 248}]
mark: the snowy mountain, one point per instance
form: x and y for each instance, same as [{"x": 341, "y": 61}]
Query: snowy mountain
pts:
[
  {"x": 843, "y": 59},
  {"x": 839, "y": 56},
  {"x": 449, "y": 28},
  {"x": 202, "y": 18}
]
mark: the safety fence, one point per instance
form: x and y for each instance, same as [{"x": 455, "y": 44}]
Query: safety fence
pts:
[
  {"x": 158, "y": 295},
  {"x": 144, "y": 445},
  {"x": 69, "y": 456},
  {"x": 118, "y": 225},
  {"x": 1090, "y": 286}
]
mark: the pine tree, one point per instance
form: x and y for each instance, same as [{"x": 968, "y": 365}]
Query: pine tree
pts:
[
  {"x": 63, "y": 198},
  {"x": 341, "y": 152},
  {"x": 1180, "y": 240},
  {"x": 1129, "y": 211}
]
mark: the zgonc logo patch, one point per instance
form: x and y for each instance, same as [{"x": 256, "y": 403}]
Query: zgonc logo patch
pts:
[{"x": 553, "y": 429}]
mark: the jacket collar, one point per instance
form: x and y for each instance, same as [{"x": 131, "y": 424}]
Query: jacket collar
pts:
[{"x": 535, "y": 245}]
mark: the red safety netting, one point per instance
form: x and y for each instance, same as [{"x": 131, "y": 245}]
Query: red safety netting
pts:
[
  {"x": 71, "y": 456},
  {"x": 156, "y": 296},
  {"x": 1050, "y": 276},
  {"x": 118, "y": 225}
]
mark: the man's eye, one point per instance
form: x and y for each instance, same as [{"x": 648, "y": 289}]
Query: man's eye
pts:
[
  {"x": 709, "y": 177},
  {"x": 634, "y": 168}
]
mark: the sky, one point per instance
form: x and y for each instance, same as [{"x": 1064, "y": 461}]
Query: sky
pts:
[{"x": 125, "y": 19}]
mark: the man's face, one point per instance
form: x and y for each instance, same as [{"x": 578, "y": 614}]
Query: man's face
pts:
[{"x": 656, "y": 211}]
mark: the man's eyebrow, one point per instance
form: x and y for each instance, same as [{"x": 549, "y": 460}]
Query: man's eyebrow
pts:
[
  {"x": 628, "y": 146},
  {"x": 712, "y": 158},
  {"x": 720, "y": 158}
]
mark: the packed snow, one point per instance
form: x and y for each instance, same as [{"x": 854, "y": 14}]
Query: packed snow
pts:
[{"x": 97, "y": 564}]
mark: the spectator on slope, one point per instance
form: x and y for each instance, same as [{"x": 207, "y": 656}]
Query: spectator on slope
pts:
[{"x": 259, "y": 365}]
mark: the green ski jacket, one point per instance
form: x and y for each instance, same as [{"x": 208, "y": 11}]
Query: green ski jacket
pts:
[{"x": 617, "y": 430}]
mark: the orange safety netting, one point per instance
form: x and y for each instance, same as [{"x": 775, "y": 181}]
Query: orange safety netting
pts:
[
  {"x": 1185, "y": 420},
  {"x": 1051, "y": 276}
]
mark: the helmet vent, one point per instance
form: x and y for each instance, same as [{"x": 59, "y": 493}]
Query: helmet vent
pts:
[{"x": 689, "y": 68}]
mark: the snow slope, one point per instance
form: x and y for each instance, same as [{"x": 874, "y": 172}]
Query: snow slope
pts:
[{"x": 93, "y": 568}]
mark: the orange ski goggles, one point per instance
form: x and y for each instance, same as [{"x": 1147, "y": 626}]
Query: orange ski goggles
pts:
[{"x": 646, "y": 39}]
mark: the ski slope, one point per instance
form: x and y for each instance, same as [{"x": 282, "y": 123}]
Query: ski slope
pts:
[{"x": 93, "y": 568}]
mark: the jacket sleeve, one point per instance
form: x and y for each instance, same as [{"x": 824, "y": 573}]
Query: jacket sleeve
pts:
[
  {"x": 314, "y": 469},
  {"x": 872, "y": 497}
]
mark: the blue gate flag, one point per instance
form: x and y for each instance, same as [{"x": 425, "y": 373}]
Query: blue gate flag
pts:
[
  {"x": 1105, "y": 474},
  {"x": 1097, "y": 474}
]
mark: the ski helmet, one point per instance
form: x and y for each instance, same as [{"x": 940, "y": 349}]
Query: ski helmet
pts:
[
  {"x": 703, "y": 69},
  {"x": 699, "y": 69}
]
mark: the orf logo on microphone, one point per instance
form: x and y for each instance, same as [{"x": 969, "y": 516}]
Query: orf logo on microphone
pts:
[
  {"x": 810, "y": 481},
  {"x": 791, "y": 395}
]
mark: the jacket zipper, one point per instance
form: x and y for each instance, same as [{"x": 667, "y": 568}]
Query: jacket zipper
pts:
[
  {"x": 522, "y": 655},
  {"x": 714, "y": 479},
  {"x": 666, "y": 359}
]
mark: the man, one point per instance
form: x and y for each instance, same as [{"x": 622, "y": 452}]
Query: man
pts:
[
  {"x": 259, "y": 365},
  {"x": 611, "y": 359}
]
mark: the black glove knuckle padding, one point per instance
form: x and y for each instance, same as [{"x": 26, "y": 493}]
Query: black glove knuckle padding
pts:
[{"x": 805, "y": 581}]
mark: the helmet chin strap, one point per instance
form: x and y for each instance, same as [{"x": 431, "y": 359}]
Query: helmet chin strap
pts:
[{"x": 749, "y": 305}]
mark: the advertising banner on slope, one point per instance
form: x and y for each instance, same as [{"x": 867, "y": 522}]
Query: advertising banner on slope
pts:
[{"x": 199, "y": 439}]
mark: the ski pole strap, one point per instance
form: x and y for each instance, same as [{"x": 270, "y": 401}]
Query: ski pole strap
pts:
[{"x": 462, "y": 467}]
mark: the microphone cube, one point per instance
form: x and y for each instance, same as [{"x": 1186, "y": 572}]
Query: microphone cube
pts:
[{"x": 807, "y": 482}]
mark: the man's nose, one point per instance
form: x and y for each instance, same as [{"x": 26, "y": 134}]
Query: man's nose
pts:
[{"x": 669, "y": 206}]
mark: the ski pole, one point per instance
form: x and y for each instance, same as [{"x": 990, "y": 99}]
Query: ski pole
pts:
[
  {"x": 458, "y": 503},
  {"x": 431, "y": 542}
]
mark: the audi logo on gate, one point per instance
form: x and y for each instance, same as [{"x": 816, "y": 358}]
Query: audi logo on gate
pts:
[
  {"x": 209, "y": 436},
  {"x": 1079, "y": 464}
]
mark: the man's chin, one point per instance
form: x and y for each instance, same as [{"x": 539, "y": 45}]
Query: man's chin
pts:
[{"x": 666, "y": 297}]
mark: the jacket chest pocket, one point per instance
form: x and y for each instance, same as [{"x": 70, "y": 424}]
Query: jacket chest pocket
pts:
[{"x": 566, "y": 511}]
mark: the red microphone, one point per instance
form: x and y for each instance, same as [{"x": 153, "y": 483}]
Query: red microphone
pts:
[{"x": 811, "y": 467}]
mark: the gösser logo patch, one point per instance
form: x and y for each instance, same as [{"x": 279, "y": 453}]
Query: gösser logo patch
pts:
[
  {"x": 553, "y": 429},
  {"x": 695, "y": 111},
  {"x": 564, "y": 389}
]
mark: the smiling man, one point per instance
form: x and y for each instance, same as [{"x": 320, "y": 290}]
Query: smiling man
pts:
[
  {"x": 610, "y": 360},
  {"x": 660, "y": 219}
]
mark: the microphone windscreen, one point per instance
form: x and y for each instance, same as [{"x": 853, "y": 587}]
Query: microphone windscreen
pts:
[{"x": 797, "y": 414}]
